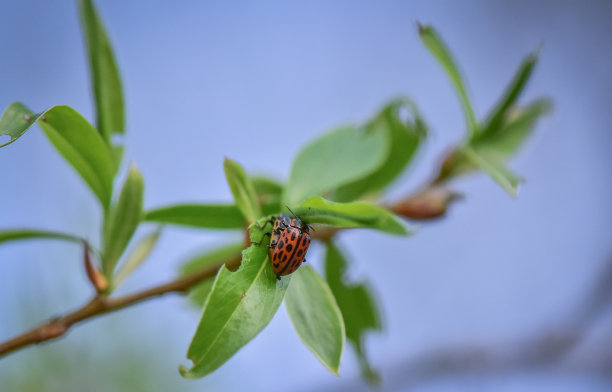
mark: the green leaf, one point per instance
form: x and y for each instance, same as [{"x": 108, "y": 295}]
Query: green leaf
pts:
[
  {"x": 357, "y": 304},
  {"x": 498, "y": 113},
  {"x": 207, "y": 259},
  {"x": 136, "y": 256},
  {"x": 356, "y": 214},
  {"x": 267, "y": 187},
  {"x": 15, "y": 120},
  {"x": 335, "y": 159},
  {"x": 316, "y": 317},
  {"x": 498, "y": 172},
  {"x": 210, "y": 216},
  {"x": 243, "y": 190},
  {"x": 517, "y": 127},
  {"x": 122, "y": 220},
  {"x": 82, "y": 147},
  {"x": 73, "y": 137},
  {"x": 26, "y": 234},
  {"x": 438, "y": 48},
  {"x": 239, "y": 306},
  {"x": 104, "y": 74},
  {"x": 404, "y": 140}
]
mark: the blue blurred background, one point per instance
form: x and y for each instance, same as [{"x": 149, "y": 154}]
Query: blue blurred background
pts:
[{"x": 206, "y": 80}]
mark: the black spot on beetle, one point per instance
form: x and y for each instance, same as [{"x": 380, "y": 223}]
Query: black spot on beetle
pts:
[
  {"x": 284, "y": 259},
  {"x": 289, "y": 247},
  {"x": 300, "y": 252},
  {"x": 276, "y": 265},
  {"x": 281, "y": 244},
  {"x": 293, "y": 234}
]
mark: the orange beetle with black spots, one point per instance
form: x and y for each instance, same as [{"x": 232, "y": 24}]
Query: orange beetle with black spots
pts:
[{"x": 289, "y": 242}]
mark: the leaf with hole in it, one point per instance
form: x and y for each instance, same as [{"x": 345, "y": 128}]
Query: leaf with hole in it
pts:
[
  {"x": 440, "y": 51},
  {"x": 122, "y": 220},
  {"x": 349, "y": 215},
  {"x": 239, "y": 306},
  {"x": 243, "y": 190},
  {"x": 208, "y": 216},
  {"x": 26, "y": 234},
  {"x": 357, "y": 304},
  {"x": 15, "y": 120},
  {"x": 495, "y": 120},
  {"x": 404, "y": 139},
  {"x": 335, "y": 159},
  {"x": 316, "y": 317},
  {"x": 206, "y": 259},
  {"x": 136, "y": 256},
  {"x": 104, "y": 74}
]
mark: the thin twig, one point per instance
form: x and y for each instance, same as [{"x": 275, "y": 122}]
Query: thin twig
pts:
[{"x": 100, "y": 305}]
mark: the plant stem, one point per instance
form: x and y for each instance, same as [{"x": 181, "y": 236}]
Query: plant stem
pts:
[{"x": 101, "y": 304}]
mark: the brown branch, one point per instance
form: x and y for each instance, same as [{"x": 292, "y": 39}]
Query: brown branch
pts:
[
  {"x": 100, "y": 305},
  {"x": 428, "y": 204}
]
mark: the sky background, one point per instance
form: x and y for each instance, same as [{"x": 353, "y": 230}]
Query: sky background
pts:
[{"x": 254, "y": 82}]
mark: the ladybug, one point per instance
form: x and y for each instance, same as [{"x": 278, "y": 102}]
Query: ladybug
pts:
[{"x": 289, "y": 243}]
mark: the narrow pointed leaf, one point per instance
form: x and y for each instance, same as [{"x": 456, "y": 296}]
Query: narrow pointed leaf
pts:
[
  {"x": 104, "y": 73},
  {"x": 82, "y": 147},
  {"x": 122, "y": 220},
  {"x": 357, "y": 304},
  {"x": 355, "y": 214},
  {"x": 243, "y": 190},
  {"x": 136, "y": 256},
  {"x": 239, "y": 306},
  {"x": 517, "y": 127},
  {"x": 440, "y": 51},
  {"x": 208, "y": 216},
  {"x": 26, "y": 234},
  {"x": 404, "y": 140},
  {"x": 513, "y": 91},
  {"x": 206, "y": 259},
  {"x": 335, "y": 159},
  {"x": 498, "y": 172},
  {"x": 316, "y": 317}
]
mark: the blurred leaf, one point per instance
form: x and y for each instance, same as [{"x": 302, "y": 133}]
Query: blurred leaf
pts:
[
  {"x": 82, "y": 147},
  {"x": 356, "y": 214},
  {"x": 15, "y": 120},
  {"x": 140, "y": 252},
  {"x": 239, "y": 306},
  {"x": 404, "y": 139},
  {"x": 513, "y": 91},
  {"x": 206, "y": 259},
  {"x": 335, "y": 159},
  {"x": 357, "y": 304},
  {"x": 210, "y": 216},
  {"x": 436, "y": 46},
  {"x": 104, "y": 74},
  {"x": 26, "y": 234},
  {"x": 267, "y": 187},
  {"x": 498, "y": 172},
  {"x": 316, "y": 317},
  {"x": 517, "y": 127},
  {"x": 489, "y": 151},
  {"x": 243, "y": 190},
  {"x": 122, "y": 220}
]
